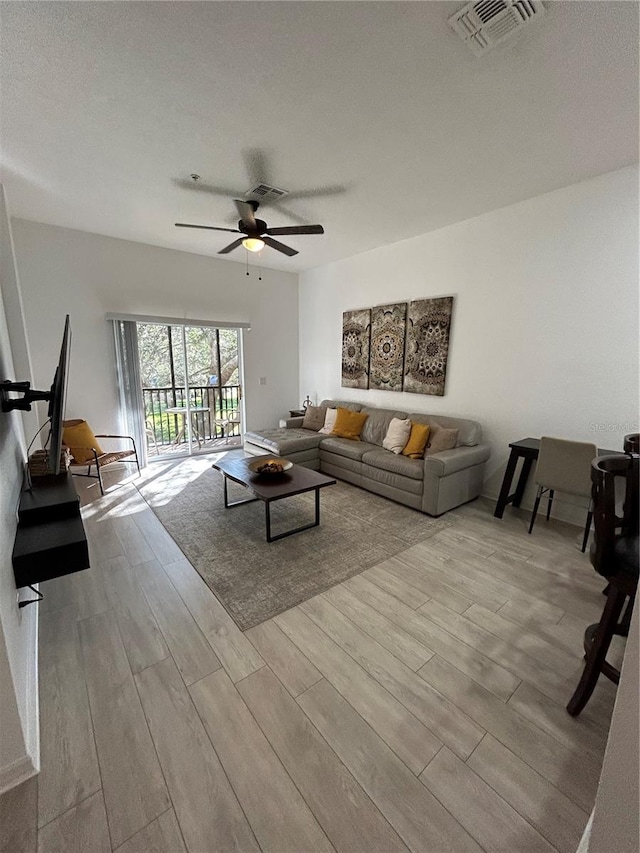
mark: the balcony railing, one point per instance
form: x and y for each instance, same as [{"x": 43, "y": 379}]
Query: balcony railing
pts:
[{"x": 222, "y": 403}]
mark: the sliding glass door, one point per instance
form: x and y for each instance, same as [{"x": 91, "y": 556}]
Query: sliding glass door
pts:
[{"x": 189, "y": 388}]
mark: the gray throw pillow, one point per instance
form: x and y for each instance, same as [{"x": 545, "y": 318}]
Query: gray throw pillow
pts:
[
  {"x": 314, "y": 417},
  {"x": 441, "y": 439}
]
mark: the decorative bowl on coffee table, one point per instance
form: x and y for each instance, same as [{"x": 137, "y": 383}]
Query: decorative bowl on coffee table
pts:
[{"x": 269, "y": 466}]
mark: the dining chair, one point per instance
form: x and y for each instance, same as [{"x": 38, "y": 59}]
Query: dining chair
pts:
[
  {"x": 564, "y": 466},
  {"x": 228, "y": 423},
  {"x": 235, "y": 419},
  {"x": 614, "y": 555}
]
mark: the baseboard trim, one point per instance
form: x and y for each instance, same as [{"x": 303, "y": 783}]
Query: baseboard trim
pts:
[
  {"x": 17, "y": 772},
  {"x": 27, "y": 765},
  {"x": 565, "y": 511},
  {"x": 32, "y": 722}
]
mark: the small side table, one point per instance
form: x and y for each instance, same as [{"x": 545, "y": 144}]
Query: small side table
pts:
[
  {"x": 526, "y": 449},
  {"x": 296, "y": 413}
]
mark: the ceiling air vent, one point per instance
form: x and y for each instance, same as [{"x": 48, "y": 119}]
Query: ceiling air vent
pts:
[
  {"x": 264, "y": 193},
  {"x": 485, "y": 24}
]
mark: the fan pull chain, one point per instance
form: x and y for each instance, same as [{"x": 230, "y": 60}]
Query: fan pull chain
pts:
[
  {"x": 246, "y": 252},
  {"x": 259, "y": 266}
]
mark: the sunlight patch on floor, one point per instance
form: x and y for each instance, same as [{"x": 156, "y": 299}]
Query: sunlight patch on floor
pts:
[{"x": 185, "y": 472}]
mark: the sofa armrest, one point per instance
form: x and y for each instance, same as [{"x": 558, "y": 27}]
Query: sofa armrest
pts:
[
  {"x": 291, "y": 423},
  {"x": 450, "y": 461}
]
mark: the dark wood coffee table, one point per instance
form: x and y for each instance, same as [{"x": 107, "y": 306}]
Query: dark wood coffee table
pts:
[{"x": 295, "y": 481}]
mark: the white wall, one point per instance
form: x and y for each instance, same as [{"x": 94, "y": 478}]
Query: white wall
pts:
[
  {"x": 19, "y": 731},
  {"x": 87, "y": 275},
  {"x": 545, "y": 328}
]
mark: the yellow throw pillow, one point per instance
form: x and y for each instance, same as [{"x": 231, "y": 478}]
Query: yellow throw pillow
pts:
[
  {"x": 79, "y": 438},
  {"x": 418, "y": 438},
  {"x": 349, "y": 424}
]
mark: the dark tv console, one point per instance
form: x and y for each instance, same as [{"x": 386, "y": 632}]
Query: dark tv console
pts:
[{"x": 50, "y": 540}]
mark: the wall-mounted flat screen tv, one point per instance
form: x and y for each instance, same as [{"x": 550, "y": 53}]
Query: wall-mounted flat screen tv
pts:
[
  {"x": 55, "y": 396},
  {"x": 57, "y": 401}
]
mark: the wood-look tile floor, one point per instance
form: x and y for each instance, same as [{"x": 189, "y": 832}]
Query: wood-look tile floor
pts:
[{"x": 419, "y": 705}]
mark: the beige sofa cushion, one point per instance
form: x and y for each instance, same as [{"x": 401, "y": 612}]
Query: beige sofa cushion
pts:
[
  {"x": 386, "y": 480},
  {"x": 386, "y": 461},
  {"x": 284, "y": 441},
  {"x": 346, "y": 447}
]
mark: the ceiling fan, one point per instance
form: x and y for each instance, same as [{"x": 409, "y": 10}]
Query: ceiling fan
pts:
[{"x": 256, "y": 234}]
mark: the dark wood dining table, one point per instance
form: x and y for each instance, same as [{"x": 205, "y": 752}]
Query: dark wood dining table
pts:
[{"x": 526, "y": 449}]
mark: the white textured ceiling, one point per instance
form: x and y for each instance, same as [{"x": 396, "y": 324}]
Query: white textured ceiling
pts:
[{"x": 105, "y": 106}]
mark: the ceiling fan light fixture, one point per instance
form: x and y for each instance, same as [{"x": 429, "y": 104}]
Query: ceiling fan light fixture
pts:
[{"x": 253, "y": 244}]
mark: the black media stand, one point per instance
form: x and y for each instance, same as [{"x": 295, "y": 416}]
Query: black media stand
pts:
[{"x": 50, "y": 540}]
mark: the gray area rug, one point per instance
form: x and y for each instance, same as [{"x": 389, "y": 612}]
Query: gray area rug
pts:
[{"x": 256, "y": 580}]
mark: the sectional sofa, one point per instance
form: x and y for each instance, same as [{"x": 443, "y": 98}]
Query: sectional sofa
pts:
[{"x": 434, "y": 484}]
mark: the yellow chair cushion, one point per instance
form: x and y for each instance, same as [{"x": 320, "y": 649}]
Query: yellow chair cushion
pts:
[
  {"x": 79, "y": 438},
  {"x": 349, "y": 424},
  {"x": 418, "y": 438}
]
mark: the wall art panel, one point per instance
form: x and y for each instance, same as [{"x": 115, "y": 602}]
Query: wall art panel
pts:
[
  {"x": 427, "y": 345},
  {"x": 356, "y": 332},
  {"x": 386, "y": 360}
]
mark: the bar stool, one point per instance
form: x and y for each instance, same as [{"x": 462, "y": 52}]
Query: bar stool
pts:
[
  {"x": 632, "y": 443},
  {"x": 614, "y": 554}
]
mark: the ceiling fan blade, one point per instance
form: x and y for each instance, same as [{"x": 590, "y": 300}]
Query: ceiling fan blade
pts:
[
  {"x": 279, "y": 247},
  {"x": 297, "y": 229},
  {"x": 207, "y": 227},
  {"x": 203, "y": 187},
  {"x": 319, "y": 192},
  {"x": 231, "y": 246},
  {"x": 290, "y": 214},
  {"x": 246, "y": 211},
  {"x": 255, "y": 161}
]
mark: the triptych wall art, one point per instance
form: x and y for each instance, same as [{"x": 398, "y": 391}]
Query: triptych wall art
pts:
[{"x": 398, "y": 347}]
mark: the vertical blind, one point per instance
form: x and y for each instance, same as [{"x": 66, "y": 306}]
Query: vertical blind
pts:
[{"x": 125, "y": 333}]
